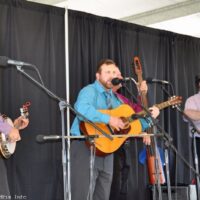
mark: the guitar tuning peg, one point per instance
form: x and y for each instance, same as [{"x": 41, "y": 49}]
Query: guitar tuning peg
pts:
[{"x": 26, "y": 105}]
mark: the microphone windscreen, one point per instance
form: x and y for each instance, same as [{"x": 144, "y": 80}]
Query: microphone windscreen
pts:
[
  {"x": 40, "y": 138},
  {"x": 116, "y": 81},
  {"x": 149, "y": 80},
  {"x": 3, "y": 61}
]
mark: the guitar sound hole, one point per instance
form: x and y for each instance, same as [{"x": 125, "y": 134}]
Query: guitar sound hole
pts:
[{"x": 122, "y": 131}]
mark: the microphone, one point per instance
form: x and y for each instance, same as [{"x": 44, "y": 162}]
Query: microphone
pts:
[
  {"x": 117, "y": 81},
  {"x": 43, "y": 138},
  {"x": 4, "y": 61},
  {"x": 154, "y": 80}
]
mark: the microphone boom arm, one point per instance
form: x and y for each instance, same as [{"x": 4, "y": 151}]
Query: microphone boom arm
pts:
[
  {"x": 64, "y": 102},
  {"x": 167, "y": 138}
]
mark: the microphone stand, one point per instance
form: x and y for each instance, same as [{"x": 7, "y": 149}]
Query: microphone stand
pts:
[
  {"x": 193, "y": 131},
  {"x": 195, "y": 156},
  {"x": 168, "y": 142},
  {"x": 154, "y": 128},
  {"x": 169, "y": 192},
  {"x": 62, "y": 105},
  {"x": 166, "y": 92},
  {"x": 92, "y": 161}
]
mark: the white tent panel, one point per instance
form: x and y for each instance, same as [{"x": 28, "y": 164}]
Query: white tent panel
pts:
[
  {"x": 179, "y": 16},
  {"x": 188, "y": 25}
]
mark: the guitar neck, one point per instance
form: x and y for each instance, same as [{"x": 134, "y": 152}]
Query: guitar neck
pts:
[
  {"x": 160, "y": 106},
  {"x": 163, "y": 105}
]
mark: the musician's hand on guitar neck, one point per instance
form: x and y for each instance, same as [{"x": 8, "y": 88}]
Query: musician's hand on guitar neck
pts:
[
  {"x": 154, "y": 111},
  {"x": 117, "y": 123},
  {"x": 14, "y": 135},
  {"x": 21, "y": 123}
]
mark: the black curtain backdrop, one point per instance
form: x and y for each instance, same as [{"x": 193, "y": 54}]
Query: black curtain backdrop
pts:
[
  {"x": 164, "y": 55},
  {"x": 34, "y": 33}
]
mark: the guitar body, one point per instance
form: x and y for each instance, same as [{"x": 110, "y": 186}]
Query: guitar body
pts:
[
  {"x": 7, "y": 148},
  {"x": 105, "y": 145}
]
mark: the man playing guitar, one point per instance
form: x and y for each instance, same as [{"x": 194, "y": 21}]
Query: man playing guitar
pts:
[{"x": 92, "y": 101}]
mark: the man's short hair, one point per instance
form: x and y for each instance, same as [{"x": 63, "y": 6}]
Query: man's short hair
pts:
[
  {"x": 104, "y": 61},
  {"x": 197, "y": 80}
]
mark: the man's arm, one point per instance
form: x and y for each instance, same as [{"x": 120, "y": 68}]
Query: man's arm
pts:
[
  {"x": 193, "y": 114},
  {"x": 85, "y": 104},
  {"x": 191, "y": 109}
]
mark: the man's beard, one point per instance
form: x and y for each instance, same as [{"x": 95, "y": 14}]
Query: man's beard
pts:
[{"x": 107, "y": 85}]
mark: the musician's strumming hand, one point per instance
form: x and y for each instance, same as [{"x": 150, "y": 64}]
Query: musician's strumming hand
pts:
[
  {"x": 21, "y": 123},
  {"x": 14, "y": 135},
  {"x": 117, "y": 123},
  {"x": 154, "y": 111},
  {"x": 146, "y": 139}
]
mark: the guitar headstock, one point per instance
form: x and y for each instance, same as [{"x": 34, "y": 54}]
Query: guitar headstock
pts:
[
  {"x": 137, "y": 65},
  {"x": 24, "y": 109},
  {"x": 138, "y": 68},
  {"x": 175, "y": 101}
]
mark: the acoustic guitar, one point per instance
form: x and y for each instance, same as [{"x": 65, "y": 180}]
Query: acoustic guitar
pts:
[
  {"x": 105, "y": 145},
  {"x": 7, "y": 148}
]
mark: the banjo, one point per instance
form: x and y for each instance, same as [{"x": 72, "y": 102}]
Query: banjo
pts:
[{"x": 7, "y": 148}]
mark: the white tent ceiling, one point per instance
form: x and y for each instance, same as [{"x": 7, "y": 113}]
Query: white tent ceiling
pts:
[{"x": 181, "y": 16}]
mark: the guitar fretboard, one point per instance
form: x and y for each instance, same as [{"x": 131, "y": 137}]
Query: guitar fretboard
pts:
[{"x": 165, "y": 104}]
